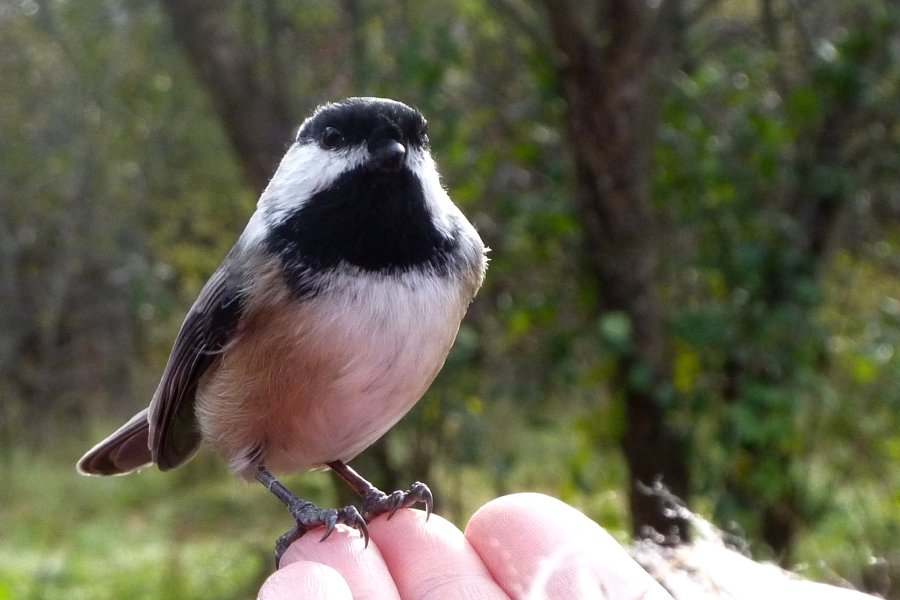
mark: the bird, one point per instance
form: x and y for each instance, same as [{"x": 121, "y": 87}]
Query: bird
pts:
[{"x": 325, "y": 323}]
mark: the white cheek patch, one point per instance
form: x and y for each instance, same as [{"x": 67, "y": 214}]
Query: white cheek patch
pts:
[
  {"x": 254, "y": 233},
  {"x": 437, "y": 200},
  {"x": 305, "y": 170}
]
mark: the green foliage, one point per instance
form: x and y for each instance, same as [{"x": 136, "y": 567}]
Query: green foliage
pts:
[
  {"x": 752, "y": 145},
  {"x": 117, "y": 189}
]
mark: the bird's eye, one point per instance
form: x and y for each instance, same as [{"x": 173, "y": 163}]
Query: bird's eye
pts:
[
  {"x": 332, "y": 138},
  {"x": 423, "y": 132}
]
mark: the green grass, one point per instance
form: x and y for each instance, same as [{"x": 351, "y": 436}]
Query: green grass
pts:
[{"x": 194, "y": 533}]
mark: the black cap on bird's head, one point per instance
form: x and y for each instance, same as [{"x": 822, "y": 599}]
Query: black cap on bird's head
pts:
[{"x": 386, "y": 128}]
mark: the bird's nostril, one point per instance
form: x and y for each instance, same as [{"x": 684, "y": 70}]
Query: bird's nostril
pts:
[{"x": 389, "y": 155}]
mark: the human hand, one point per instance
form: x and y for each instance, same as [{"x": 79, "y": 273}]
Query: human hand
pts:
[
  {"x": 519, "y": 546},
  {"x": 523, "y": 546}
]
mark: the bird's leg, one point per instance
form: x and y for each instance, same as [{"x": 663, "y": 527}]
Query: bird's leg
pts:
[
  {"x": 376, "y": 502},
  {"x": 308, "y": 515}
]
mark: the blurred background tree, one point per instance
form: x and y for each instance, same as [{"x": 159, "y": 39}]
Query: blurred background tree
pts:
[{"x": 693, "y": 210}]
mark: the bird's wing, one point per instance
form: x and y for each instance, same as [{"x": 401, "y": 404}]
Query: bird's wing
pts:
[{"x": 206, "y": 331}]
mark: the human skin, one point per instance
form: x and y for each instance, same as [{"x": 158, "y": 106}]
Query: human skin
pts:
[
  {"x": 519, "y": 546},
  {"x": 522, "y": 546}
]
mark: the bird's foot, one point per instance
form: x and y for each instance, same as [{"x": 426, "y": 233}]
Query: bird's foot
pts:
[
  {"x": 309, "y": 516},
  {"x": 376, "y": 502}
]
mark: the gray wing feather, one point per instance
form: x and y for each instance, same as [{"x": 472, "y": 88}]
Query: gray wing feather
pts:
[{"x": 207, "y": 329}]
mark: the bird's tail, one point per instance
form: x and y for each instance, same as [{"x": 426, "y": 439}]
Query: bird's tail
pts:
[{"x": 124, "y": 451}]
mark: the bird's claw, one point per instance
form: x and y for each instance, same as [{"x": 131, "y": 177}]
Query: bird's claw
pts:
[
  {"x": 348, "y": 516},
  {"x": 377, "y": 502},
  {"x": 284, "y": 542},
  {"x": 308, "y": 516}
]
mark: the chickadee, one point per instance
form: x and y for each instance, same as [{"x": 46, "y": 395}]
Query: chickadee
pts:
[{"x": 326, "y": 322}]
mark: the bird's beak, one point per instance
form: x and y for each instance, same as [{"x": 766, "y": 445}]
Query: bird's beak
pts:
[{"x": 388, "y": 155}]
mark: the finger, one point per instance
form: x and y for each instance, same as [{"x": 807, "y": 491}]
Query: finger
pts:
[
  {"x": 305, "y": 580},
  {"x": 536, "y": 546},
  {"x": 432, "y": 559},
  {"x": 363, "y": 569}
]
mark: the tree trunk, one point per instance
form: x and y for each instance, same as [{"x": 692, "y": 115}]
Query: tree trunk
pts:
[
  {"x": 254, "y": 116},
  {"x": 611, "y": 124}
]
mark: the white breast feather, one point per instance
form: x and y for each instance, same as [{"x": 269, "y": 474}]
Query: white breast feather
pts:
[{"x": 328, "y": 376}]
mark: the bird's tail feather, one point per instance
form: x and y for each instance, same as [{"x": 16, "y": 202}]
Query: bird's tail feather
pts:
[{"x": 124, "y": 451}]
